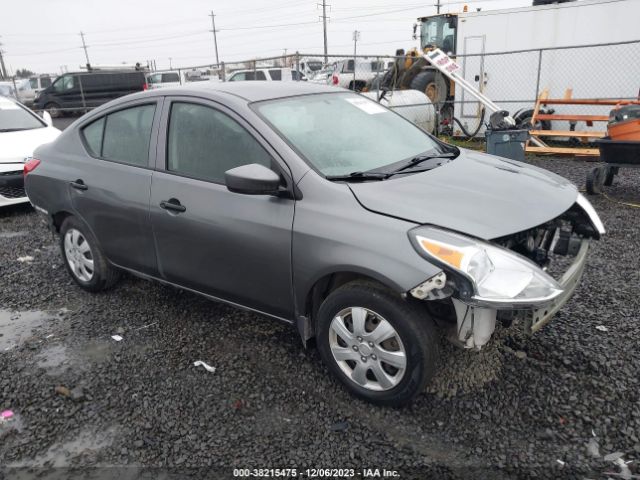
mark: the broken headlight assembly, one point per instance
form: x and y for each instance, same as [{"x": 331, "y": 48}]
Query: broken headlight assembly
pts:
[{"x": 485, "y": 274}]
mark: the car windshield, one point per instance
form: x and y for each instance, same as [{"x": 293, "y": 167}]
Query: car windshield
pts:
[
  {"x": 13, "y": 117},
  {"x": 342, "y": 133}
]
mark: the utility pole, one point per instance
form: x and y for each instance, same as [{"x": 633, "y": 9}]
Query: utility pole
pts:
[
  {"x": 356, "y": 37},
  {"x": 3, "y": 70},
  {"x": 215, "y": 39},
  {"x": 84, "y": 46},
  {"x": 438, "y": 7},
  {"x": 324, "y": 27},
  {"x": 170, "y": 64}
]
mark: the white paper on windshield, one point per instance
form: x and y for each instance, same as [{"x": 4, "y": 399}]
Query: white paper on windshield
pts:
[{"x": 366, "y": 105}]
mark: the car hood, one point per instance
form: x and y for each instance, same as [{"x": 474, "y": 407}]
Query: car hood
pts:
[
  {"x": 477, "y": 194},
  {"x": 15, "y": 146}
]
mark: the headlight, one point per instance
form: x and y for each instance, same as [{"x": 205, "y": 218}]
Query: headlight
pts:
[{"x": 498, "y": 276}]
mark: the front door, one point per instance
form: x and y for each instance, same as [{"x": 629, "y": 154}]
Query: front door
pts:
[{"x": 231, "y": 246}]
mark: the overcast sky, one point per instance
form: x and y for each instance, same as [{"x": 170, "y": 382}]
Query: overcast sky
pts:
[{"x": 43, "y": 35}]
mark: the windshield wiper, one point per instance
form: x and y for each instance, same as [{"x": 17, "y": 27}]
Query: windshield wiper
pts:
[
  {"x": 358, "y": 176},
  {"x": 417, "y": 160}
]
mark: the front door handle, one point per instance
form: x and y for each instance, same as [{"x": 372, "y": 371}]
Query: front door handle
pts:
[
  {"x": 173, "y": 204},
  {"x": 78, "y": 185}
]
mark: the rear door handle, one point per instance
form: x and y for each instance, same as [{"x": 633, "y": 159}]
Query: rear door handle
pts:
[
  {"x": 173, "y": 204},
  {"x": 78, "y": 185}
]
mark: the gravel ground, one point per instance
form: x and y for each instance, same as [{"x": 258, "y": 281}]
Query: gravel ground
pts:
[{"x": 550, "y": 406}]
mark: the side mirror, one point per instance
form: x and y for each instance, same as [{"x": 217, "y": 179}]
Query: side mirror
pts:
[
  {"x": 252, "y": 179},
  {"x": 46, "y": 116}
]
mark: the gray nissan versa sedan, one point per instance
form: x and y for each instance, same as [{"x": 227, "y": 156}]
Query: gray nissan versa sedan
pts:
[{"x": 319, "y": 207}]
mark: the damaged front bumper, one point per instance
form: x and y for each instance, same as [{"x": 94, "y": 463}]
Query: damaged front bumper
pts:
[
  {"x": 535, "y": 319},
  {"x": 476, "y": 323}
]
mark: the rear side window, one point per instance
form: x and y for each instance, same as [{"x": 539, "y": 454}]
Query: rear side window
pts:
[
  {"x": 45, "y": 82},
  {"x": 93, "y": 136},
  {"x": 122, "y": 136},
  {"x": 275, "y": 74},
  {"x": 204, "y": 143},
  {"x": 170, "y": 77}
]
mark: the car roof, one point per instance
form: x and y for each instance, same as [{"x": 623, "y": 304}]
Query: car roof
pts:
[{"x": 253, "y": 91}]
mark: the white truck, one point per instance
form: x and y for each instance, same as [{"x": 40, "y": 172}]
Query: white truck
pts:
[
  {"x": 513, "y": 80},
  {"x": 365, "y": 70}
]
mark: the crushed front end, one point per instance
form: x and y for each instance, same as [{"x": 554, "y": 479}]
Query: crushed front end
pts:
[{"x": 526, "y": 276}]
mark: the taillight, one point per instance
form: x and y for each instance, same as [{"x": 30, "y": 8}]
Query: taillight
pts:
[
  {"x": 335, "y": 80},
  {"x": 30, "y": 165},
  {"x": 145, "y": 86}
]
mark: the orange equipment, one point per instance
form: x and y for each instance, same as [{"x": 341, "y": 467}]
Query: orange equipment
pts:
[{"x": 624, "y": 123}]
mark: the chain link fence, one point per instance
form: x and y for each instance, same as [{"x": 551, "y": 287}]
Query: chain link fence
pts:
[{"x": 513, "y": 80}]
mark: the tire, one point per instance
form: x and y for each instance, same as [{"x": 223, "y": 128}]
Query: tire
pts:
[
  {"x": 412, "y": 345},
  {"x": 79, "y": 248},
  {"x": 432, "y": 84},
  {"x": 53, "y": 109},
  {"x": 610, "y": 173},
  {"x": 523, "y": 121},
  {"x": 594, "y": 181}
]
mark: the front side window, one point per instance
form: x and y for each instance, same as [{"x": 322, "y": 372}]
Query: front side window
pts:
[
  {"x": 33, "y": 82},
  {"x": 204, "y": 143},
  {"x": 237, "y": 77},
  {"x": 64, "y": 83},
  {"x": 155, "y": 78},
  {"x": 341, "y": 133},
  {"x": 122, "y": 136}
]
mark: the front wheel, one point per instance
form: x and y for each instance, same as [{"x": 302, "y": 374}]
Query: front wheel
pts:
[
  {"x": 83, "y": 258},
  {"x": 382, "y": 348}
]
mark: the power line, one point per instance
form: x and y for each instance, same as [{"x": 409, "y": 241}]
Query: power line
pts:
[{"x": 215, "y": 40}]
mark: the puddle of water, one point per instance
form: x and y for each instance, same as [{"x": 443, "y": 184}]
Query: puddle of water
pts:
[
  {"x": 55, "y": 359},
  {"x": 16, "y": 327},
  {"x": 12, "y": 234},
  {"x": 60, "y": 455}
]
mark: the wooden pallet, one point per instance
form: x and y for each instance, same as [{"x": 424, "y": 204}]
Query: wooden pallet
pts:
[{"x": 544, "y": 100}]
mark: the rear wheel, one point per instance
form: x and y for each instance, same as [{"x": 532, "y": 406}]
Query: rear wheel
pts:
[
  {"x": 53, "y": 109},
  {"x": 382, "y": 348},
  {"x": 83, "y": 258}
]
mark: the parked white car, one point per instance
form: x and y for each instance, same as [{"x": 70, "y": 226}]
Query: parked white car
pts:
[
  {"x": 21, "y": 132},
  {"x": 274, "y": 74},
  {"x": 365, "y": 70},
  {"x": 164, "y": 79},
  {"x": 7, "y": 89},
  {"x": 322, "y": 77},
  {"x": 29, "y": 89}
]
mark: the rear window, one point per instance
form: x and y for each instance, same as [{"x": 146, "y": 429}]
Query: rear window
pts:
[{"x": 93, "y": 136}]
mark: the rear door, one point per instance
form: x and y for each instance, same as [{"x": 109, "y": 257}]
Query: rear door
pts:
[
  {"x": 228, "y": 245},
  {"x": 110, "y": 185}
]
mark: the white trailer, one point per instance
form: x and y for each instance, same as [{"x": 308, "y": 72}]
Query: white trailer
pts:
[{"x": 536, "y": 35}]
